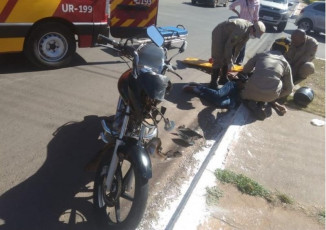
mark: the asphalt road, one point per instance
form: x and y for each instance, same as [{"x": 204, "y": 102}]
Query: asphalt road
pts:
[{"x": 50, "y": 122}]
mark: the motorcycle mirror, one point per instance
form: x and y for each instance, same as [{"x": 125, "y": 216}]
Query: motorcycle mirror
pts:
[
  {"x": 169, "y": 125},
  {"x": 183, "y": 47},
  {"x": 155, "y": 35}
]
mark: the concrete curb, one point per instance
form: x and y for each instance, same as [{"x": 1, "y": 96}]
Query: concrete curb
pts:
[{"x": 185, "y": 217}]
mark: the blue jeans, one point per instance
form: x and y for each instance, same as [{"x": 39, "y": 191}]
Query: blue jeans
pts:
[{"x": 225, "y": 97}]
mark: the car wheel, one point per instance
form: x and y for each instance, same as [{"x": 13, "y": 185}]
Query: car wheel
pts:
[
  {"x": 281, "y": 26},
  {"x": 50, "y": 45},
  {"x": 193, "y": 2},
  {"x": 225, "y": 3},
  {"x": 305, "y": 24}
]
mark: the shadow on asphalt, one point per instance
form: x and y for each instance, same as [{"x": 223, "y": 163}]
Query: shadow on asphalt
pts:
[
  {"x": 15, "y": 63},
  {"x": 211, "y": 119},
  {"x": 180, "y": 99},
  {"x": 58, "y": 195},
  {"x": 18, "y": 63}
]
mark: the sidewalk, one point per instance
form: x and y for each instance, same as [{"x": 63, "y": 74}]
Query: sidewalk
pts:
[{"x": 285, "y": 154}]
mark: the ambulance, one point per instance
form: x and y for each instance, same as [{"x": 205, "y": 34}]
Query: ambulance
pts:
[{"x": 48, "y": 31}]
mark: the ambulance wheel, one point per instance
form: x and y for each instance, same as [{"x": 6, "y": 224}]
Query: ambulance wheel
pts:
[{"x": 50, "y": 45}]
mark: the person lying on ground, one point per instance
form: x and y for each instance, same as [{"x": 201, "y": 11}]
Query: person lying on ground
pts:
[
  {"x": 227, "y": 97},
  {"x": 270, "y": 80}
]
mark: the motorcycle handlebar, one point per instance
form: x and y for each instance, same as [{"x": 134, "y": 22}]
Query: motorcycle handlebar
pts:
[
  {"x": 108, "y": 40},
  {"x": 125, "y": 49},
  {"x": 130, "y": 51}
]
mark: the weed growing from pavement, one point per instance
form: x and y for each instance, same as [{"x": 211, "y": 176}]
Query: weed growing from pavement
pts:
[
  {"x": 309, "y": 1},
  {"x": 321, "y": 216},
  {"x": 284, "y": 198},
  {"x": 213, "y": 195},
  {"x": 249, "y": 186},
  {"x": 242, "y": 182}
]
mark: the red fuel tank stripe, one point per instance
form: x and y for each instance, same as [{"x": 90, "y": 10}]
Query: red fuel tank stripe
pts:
[{"x": 7, "y": 10}]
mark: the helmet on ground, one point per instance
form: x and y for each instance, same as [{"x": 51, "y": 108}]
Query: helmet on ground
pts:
[{"x": 303, "y": 96}]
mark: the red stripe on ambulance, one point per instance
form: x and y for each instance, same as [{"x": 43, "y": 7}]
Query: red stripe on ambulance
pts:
[{"x": 7, "y": 10}]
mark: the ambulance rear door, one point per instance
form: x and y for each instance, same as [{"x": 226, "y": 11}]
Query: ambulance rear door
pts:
[{"x": 130, "y": 17}]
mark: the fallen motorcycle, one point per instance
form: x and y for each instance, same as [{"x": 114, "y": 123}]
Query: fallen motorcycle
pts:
[{"x": 121, "y": 180}]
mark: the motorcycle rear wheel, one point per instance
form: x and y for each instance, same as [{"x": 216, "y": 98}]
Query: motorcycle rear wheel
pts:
[{"x": 122, "y": 209}]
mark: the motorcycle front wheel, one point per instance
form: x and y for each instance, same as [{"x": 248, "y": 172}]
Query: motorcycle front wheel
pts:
[{"x": 123, "y": 205}]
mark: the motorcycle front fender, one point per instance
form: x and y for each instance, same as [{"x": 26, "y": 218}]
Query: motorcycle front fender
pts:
[{"x": 138, "y": 156}]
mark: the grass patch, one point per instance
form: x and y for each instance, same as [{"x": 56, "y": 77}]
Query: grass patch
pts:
[
  {"x": 308, "y": 2},
  {"x": 284, "y": 198},
  {"x": 321, "y": 216},
  {"x": 242, "y": 182},
  {"x": 249, "y": 186},
  {"x": 213, "y": 195},
  {"x": 316, "y": 82}
]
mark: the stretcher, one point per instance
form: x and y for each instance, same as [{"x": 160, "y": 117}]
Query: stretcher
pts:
[
  {"x": 173, "y": 34},
  {"x": 207, "y": 65}
]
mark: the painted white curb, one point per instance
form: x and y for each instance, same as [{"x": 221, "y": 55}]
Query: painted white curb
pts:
[{"x": 195, "y": 210}]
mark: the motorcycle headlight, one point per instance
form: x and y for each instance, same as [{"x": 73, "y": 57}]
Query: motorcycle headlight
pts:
[{"x": 151, "y": 57}]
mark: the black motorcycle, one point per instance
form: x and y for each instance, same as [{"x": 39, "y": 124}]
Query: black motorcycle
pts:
[{"x": 121, "y": 181}]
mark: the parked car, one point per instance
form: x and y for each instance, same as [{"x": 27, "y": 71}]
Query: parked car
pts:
[
  {"x": 312, "y": 17},
  {"x": 212, "y": 3},
  {"x": 275, "y": 13}
]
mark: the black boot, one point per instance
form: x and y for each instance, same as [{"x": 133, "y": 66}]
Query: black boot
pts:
[
  {"x": 214, "y": 77},
  {"x": 223, "y": 78},
  {"x": 256, "y": 109}
]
